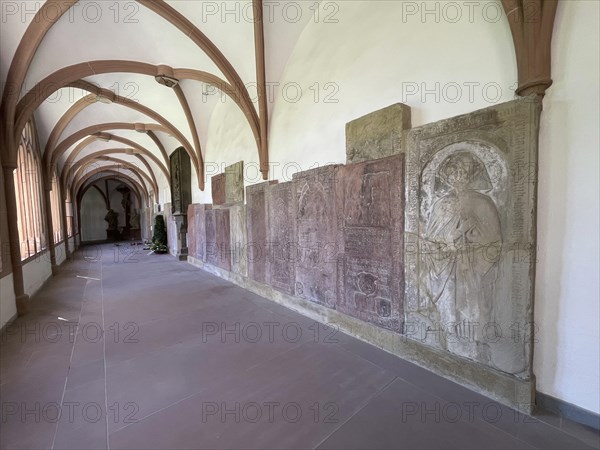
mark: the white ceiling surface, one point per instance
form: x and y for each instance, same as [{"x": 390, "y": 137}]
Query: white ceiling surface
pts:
[
  {"x": 284, "y": 23},
  {"x": 146, "y": 91},
  {"x": 130, "y": 31},
  {"x": 15, "y": 20},
  {"x": 109, "y": 113},
  {"x": 202, "y": 100},
  {"x": 228, "y": 24},
  {"x": 51, "y": 110},
  {"x": 143, "y": 37}
]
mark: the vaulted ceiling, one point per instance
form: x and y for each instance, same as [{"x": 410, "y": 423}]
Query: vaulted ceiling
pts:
[
  {"x": 95, "y": 76},
  {"x": 90, "y": 75}
]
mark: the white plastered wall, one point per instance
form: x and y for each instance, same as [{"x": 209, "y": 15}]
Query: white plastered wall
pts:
[
  {"x": 566, "y": 358},
  {"x": 60, "y": 253},
  {"x": 36, "y": 272},
  {"x": 93, "y": 211},
  {"x": 8, "y": 307}
]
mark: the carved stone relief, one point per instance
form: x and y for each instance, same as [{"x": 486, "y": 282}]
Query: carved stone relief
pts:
[
  {"x": 181, "y": 181},
  {"x": 234, "y": 183},
  {"x": 181, "y": 197},
  {"x": 257, "y": 226},
  {"x": 281, "y": 245},
  {"x": 217, "y": 185},
  {"x": 217, "y": 238},
  {"x": 378, "y": 134},
  {"x": 470, "y": 242},
  {"x": 192, "y": 231},
  {"x": 238, "y": 243},
  {"x": 316, "y": 242},
  {"x": 197, "y": 230},
  {"x": 371, "y": 227}
]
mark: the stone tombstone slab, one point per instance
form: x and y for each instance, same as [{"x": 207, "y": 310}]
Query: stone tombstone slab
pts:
[
  {"x": 192, "y": 233},
  {"x": 317, "y": 247},
  {"x": 238, "y": 239},
  {"x": 281, "y": 243},
  {"x": 470, "y": 234},
  {"x": 217, "y": 185},
  {"x": 371, "y": 227},
  {"x": 197, "y": 230},
  {"x": 172, "y": 231},
  {"x": 378, "y": 134},
  {"x": 257, "y": 230},
  {"x": 181, "y": 181},
  {"x": 217, "y": 238},
  {"x": 234, "y": 183},
  {"x": 147, "y": 222}
]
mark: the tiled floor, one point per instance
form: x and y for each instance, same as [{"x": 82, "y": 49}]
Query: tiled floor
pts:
[{"x": 143, "y": 351}]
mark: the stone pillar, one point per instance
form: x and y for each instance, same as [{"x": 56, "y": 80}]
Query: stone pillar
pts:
[
  {"x": 49, "y": 227},
  {"x": 76, "y": 224},
  {"x": 65, "y": 231},
  {"x": 181, "y": 197},
  {"x": 13, "y": 236},
  {"x": 63, "y": 221}
]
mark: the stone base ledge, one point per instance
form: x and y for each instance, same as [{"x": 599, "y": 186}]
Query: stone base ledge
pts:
[{"x": 513, "y": 392}]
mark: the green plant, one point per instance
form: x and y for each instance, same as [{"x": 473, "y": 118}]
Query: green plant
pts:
[
  {"x": 159, "y": 248},
  {"x": 159, "y": 237}
]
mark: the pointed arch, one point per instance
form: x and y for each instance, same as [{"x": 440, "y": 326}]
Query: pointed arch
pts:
[
  {"x": 115, "y": 175},
  {"x": 110, "y": 137},
  {"x": 84, "y": 163}
]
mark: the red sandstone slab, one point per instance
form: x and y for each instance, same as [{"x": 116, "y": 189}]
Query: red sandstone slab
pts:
[
  {"x": 316, "y": 235},
  {"x": 217, "y": 238},
  {"x": 257, "y": 230},
  {"x": 218, "y": 189},
  {"x": 281, "y": 237},
  {"x": 192, "y": 233},
  {"x": 196, "y": 234},
  {"x": 371, "y": 227}
]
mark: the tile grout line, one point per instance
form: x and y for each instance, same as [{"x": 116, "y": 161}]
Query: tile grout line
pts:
[
  {"x": 367, "y": 401},
  {"x": 62, "y": 398},
  {"x": 347, "y": 350},
  {"x": 104, "y": 352}
]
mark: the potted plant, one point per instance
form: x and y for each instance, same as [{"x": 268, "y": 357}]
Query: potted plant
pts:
[{"x": 159, "y": 237}]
